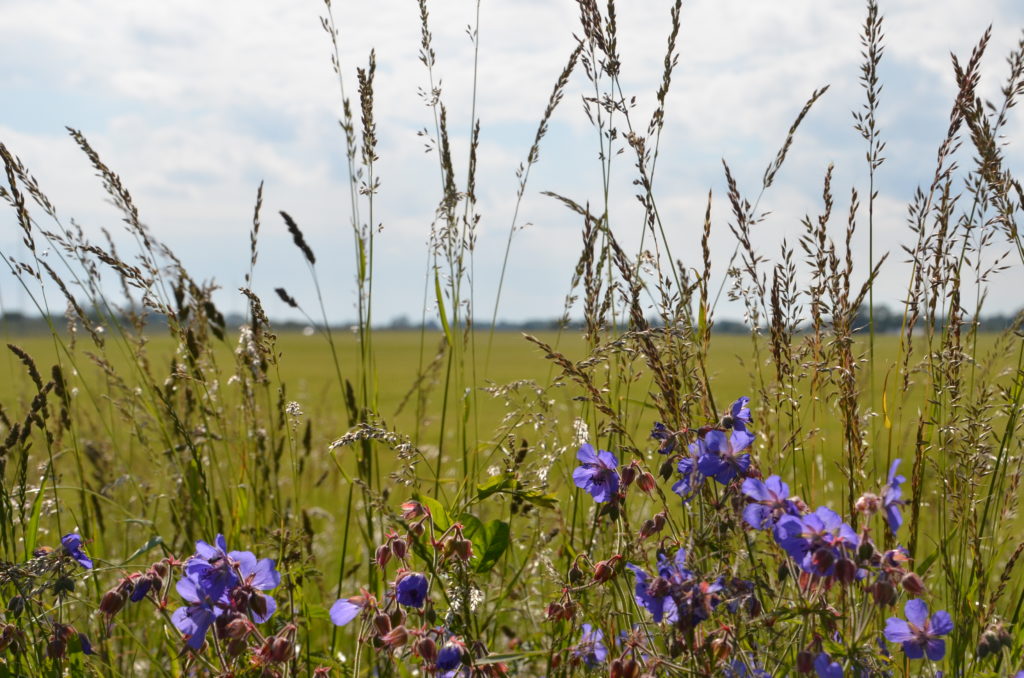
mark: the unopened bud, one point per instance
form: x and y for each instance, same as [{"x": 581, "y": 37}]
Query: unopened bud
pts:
[
  {"x": 258, "y": 604},
  {"x": 883, "y": 592},
  {"x": 56, "y": 646},
  {"x": 804, "y": 661},
  {"x": 397, "y": 637},
  {"x": 668, "y": 467},
  {"x": 721, "y": 648},
  {"x": 397, "y": 617},
  {"x": 569, "y": 608},
  {"x": 868, "y": 504},
  {"x": 161, "y": 568},
  {"x": 462, "y": 548},
  {"x": 628, "y": 475},
  {"x": 382, "y": 556},
  {"x": 646, "y": 482},
  {"x": 238, "y": 628},
  {"x": 112, "y": 601},
  {"x": 237, "y": 646},
  {"x": 382, "y": 623},
  {"x": 281, "y": 649},
  {"x": 846, "y": 571},
  {"x": 647, "y": 529},
  {"x": 399, "y": 548},
  {"x": 426, "y": 648},
  {"x": 823, "y": 559},
  {"x": 575, "y": 574},
  {"x": 603, "y": 571},
  {"x": 912, "y": 584},
  {"x": 555, "y": 611}
]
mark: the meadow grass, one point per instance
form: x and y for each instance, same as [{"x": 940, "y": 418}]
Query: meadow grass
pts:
[{"x": 473, "y": 503}]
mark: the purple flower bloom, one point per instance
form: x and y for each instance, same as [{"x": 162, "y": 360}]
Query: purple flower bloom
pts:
[
  {"x": 345, "y": 610},
  {"x": 654, "y": 595},
  {"x": 449, "y": 657},
  {"x": 411, "y": 590},
  {"x": 256, "y": 576},
  {"x": 692, "y": 479},
  {"x": 597, "y": 473},
  {"x": 891, "y": 498},
  {"x": 739, "y": 414},
  {"x": 212, "y": 566},
  {"x": 738, "y": 669},
  {"x": 590, "y": 648},
  {"x": 770, "y": 503},
  {"x": 667, "y": 438},
  {"x": 919, "y": 634},
  {"x": 72, "y": 543},
  {"x": 816, "y": 541},
  {"x": 826, "y": 668},
  {"x": 722, "y": 459},
  {"x": 195, "y": 620}
]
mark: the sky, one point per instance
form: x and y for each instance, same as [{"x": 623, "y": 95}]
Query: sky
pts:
[{"x": 194, "y": 103}]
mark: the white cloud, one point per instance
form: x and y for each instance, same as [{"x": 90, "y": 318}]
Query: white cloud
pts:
[{"x": 194, "y": 102}]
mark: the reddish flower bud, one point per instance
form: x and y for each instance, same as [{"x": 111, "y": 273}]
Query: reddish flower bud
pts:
[
  {"x": 462, "y": 548},
  {"x": 615, "y": 670},
  {"x": 382, "y": 623},
  {"x": 868, "y": 504},
  {"x": 411, "y": 510},
  {"x": 883, "y": 592},
  {"x": 804, "y": 661},
  {"x": 912, "y": 584},
  {"x": 721, "y": 648},
  {"x": 846, "y": 571},
  {"x": 237, "y": 646},
  {"x": 399, "y": 548},
  {"x": 397, "y": 617},
  {"x": 555, "y": 611},
  {"x": 646, "y": 482},
  {"x": 238, "y": 628},
  {"x": 426, "y": 648},
  {"x": 569, "y": 608},
  {"x": 112, "y": 601},
  {"x": 382, "y": 556},
  {"x": 605, "y": 569},
  {"x": 397, "y": 637},
  {"x": 628, "y": 475},
  {"x": 56, "y": 646},
  {"x": 281, "y": 649},
  {"x": 659, "y": 521}
]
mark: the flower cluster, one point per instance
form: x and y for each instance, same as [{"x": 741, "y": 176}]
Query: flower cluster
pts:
[
  {"x": 676, "y": 594},
  {"x": 227, "y": 590}
]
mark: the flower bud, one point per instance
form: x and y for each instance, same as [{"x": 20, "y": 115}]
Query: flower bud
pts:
[
  {"x": 804, "y": 661},
  {"x": 56, "y": 646},
  {"x": 868, "y": 504},
  {"x": 866, "y": 550},
  {"x": 668, "y": 467},
  {"x": 238, "y": 628},
  {"x": 721, "y": 648},
  {"x": 397, "y": 617},
  {"x": 628, "y": 475},
  {"x": 846, "y": 571},
  {"x": 647, "y": 529},
  {"x": 258, "y": 604},
  {"x": 237, "y": 646},
  {"x": 912, "y": 584},
  {"x": 603, "y": 571},
  {"x": 426, "y": 648},
  {"x": 161, "y": 568},
  {"x": 555, "y": 611},
  {"x": 281, "y": 649},
  {"x": 659, "y": 521},
  {"x": 615, "y": 670},
  {"x": 382, "y": 556},
  {"x": 646, "y": 482},
  {"x": 411, "y": 510},
  {"x": 462, "y": 548},
  {"x": 7, "y": 636},
  {"x": 382, "y": 623},
  {"x": 396, "y": 638},
  {"x": 112, "y": 601},
  {"x": 575, "y": 574},
  {"x": 883, "y": 592},
  {"x": 823, "y": 559},
  {"x": 399, "y": 548},
  {"x": 569, "y": 608}
]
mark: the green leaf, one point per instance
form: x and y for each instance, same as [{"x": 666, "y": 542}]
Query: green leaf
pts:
[
  {"x": 538, "y": 498},
  {"x": 497, "y": 539},
  {"x": 437, "y": 512},
  {"x": 440, "y": 309},
  {"x": 148, "y": 546},
  {"x": 489, "y": 541},
  {"x": 500, "y": 483}
]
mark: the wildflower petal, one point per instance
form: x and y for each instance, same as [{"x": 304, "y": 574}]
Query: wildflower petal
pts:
[
  {"x": 344, "y": 610},
  {"x": 917, "y": 612},
  {"x": 898, "y": 631},
  {"x": 586, "y": 454},
  {"x": 941, "y": 623}
]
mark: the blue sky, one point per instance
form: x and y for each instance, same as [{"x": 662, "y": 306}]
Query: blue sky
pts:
[{"x": 194, "y": 103}]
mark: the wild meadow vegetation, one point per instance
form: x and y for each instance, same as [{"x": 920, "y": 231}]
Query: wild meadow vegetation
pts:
[{"x": 637, "y": 496}]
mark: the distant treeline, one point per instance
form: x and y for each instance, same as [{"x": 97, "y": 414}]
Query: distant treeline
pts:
[{"x": 886, "y": 320}]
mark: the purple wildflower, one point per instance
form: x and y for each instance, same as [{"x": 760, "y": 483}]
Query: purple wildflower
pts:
[
  {"x": 722, "y": 459},
  {"x": 256, "y": 576},
  {"x": 590, "y": 648},
  {"x": 891, "y": 498},
  {"x": 449, "y": 657},
  {"x": 919, "y": 634},
  {"x": 826, "y": 668},
  {"x": 212, "y": 566},
  {"x": 597, "y": 473},
  {"x": 739, "y": 415},
  {"x": 816, "y": 541},
  {"x": 195, "y": 619},
  {"x": 738, "y": 669},
  {"x": 345, "y": 610},
  {"x": 667, "y": 438},
  {"x": 655, "y": 595},
  {"x": 770, "y": 503},
  {"x": 411, "y": 590},
  {"x": 692, "y": 478},
  {"x": 72, "y": 543}
]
